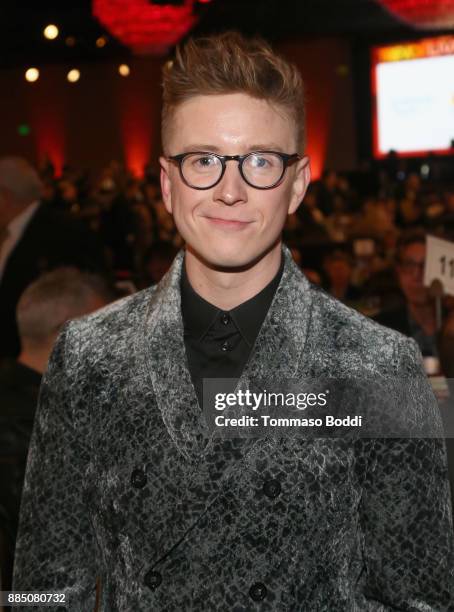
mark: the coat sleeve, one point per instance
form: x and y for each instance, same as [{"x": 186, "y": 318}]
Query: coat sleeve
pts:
[
  {"x": 406, "y": 508},
  {"x": 56, "y": 549}
]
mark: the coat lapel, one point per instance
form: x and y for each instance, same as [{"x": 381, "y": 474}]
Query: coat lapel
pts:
[
  {"x": 280, "y": 343},
  {"x": 165, "y": 356}
]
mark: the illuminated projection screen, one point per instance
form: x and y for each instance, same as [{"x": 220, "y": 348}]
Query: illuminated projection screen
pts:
[{"x": 413, "y": 89}]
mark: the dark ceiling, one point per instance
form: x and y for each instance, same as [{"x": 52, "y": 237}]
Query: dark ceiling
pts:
[{"x": 22, "y": 42}]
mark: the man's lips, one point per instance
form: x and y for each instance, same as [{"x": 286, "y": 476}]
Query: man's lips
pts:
[{"x": 232, "y": 223}]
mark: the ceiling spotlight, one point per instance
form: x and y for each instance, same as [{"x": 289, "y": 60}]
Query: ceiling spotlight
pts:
[
  {"x": 51, "y": 31},
  {"x": 124, "y": 70},
  {"x": 70, "y": 41},
  {"x": 32, "y": 75},
  {"x": 101, "y": 42},
  {"x": 73, "y": 75}
]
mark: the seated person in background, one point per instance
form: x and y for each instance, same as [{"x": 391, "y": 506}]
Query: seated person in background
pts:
[
  {"x": 410, "y": 211},
  {"x": 338, "y": 267},
  {"x": 375, "y": 220},
  {"x": 43, "y": 308},
  {"x": 416, "y": 316}
]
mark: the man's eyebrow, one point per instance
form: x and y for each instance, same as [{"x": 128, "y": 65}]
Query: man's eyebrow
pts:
[
  {"x": 269, "y": 146},
  {"x": 200, "y": 147}
]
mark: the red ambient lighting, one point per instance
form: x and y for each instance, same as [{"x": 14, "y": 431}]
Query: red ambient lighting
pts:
[
  {"x": 423, "y": 13},
  {"x": 144, "y": 27}
]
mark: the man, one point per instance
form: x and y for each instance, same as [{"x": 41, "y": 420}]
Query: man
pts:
[
  {"x": 43, "y": 308},
  {"x": 338, "y": 267},
  {"x": 34, "y": 239},
  {"x": 168, "y": 517},
  {"x": 416, "y": 317}
]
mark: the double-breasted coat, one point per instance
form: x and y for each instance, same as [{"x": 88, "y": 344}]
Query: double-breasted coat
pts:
[{"x": 123, "y": 485}]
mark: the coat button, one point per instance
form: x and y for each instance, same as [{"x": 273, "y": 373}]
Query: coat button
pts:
[
  {"x": 225, "y": 319},
  {"x": 226, "y": 346},
  {"x": 152, "y": 579},
  {"x": 258, "y": 591},
  {"x": 138, "y": 479},
  {"x": 272, "y": 488}
]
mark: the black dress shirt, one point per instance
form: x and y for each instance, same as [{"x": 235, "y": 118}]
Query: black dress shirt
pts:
[{"x": 218, "y": 342}]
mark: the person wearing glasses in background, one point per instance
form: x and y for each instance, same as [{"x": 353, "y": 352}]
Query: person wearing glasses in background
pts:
[
  {"x": 124, "y": 487},
  {"x": 416, "y": 315}
]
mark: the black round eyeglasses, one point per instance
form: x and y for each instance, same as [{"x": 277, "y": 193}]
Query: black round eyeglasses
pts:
[{"x": 259, "y": 169}]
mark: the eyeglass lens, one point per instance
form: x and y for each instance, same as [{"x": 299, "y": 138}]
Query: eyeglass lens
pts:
[
  {"x": 259, "y": 169},
  {"x": 410, "y": 266}
]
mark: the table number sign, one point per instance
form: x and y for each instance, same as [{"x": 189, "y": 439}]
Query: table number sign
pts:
[{"x": 440, "y": 263}]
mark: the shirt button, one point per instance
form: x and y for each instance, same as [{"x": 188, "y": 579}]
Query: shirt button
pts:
[
  {"x": 225, "y": 346},
  {"x": 152, "y": 579},
  {"x": 258, "y": 591},
  {"x": 271, "y": 488},
  {"x": 225, "y": 319},
  {"x": 138, "y": 479}
]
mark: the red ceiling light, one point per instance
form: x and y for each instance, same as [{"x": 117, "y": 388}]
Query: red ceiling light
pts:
[
  {"x": 425, "y": 14},
  {"x": 144, "y": 27}
]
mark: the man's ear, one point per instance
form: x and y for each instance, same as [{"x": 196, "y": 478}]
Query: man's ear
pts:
[
  {"x": 166, "y": 183},
  {"x": 300, "y": 184}
]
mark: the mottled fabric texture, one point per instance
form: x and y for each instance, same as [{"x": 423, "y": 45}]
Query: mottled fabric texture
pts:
[{"x": 124, "y": 485}]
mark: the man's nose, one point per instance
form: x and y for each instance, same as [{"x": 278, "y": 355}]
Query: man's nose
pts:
[
  {"x": 231, "y": 189},
  {"x": 418, "y": 272}
]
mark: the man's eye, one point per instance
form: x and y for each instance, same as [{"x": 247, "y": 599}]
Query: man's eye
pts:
[
  {"x": 204, "y": 162},
  {"x": 260, "y": 162}
]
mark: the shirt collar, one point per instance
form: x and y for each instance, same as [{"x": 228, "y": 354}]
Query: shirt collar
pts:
[{"x": 199, "y": 315}]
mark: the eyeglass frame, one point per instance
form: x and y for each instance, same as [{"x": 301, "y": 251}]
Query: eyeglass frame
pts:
[
  {"x": 286, "y": 158},
  {"x": 410, "y": 266}
]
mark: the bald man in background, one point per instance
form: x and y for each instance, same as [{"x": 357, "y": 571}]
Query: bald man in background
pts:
[
  {"x": 46, "y": 304},
  {"x": 34, "y": 239}
]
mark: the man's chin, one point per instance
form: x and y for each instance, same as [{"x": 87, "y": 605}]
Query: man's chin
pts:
[
  {"x": 231, "y": 263},
  {"x": 227, "y": 261},
  {"x": 230, "y": 256}
]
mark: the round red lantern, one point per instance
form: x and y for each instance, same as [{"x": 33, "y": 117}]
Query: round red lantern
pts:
[
  {"x": 145, "y": 27},
  {"x": 426, "y": 14}
]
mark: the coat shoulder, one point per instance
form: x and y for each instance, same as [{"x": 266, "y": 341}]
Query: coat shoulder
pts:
[
  {"x": 117, "y": 322},
  {"x": 360, "y": 343}
]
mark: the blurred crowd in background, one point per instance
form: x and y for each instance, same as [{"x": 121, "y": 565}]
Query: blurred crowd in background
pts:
[{"x": 339, "y": 213}]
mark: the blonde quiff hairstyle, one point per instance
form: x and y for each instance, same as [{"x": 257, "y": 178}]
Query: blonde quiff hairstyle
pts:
[{"x": 229, "y": 63}]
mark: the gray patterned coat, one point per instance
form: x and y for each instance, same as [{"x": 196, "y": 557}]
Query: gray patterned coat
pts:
[{"x": 122, "y": 486}]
